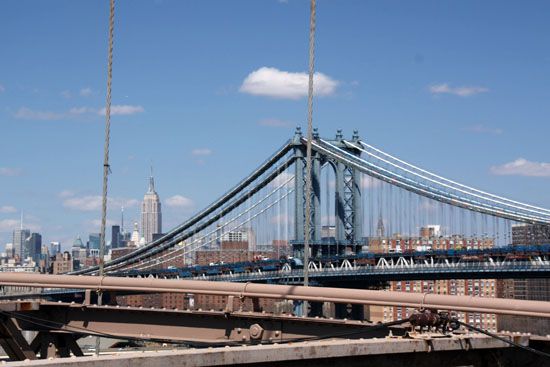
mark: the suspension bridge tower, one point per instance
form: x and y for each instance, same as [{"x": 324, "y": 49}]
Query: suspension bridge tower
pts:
[{"x": 348, "y": 213}]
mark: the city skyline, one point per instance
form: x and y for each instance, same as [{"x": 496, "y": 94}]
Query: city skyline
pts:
[{"x": 194, "y": 111}]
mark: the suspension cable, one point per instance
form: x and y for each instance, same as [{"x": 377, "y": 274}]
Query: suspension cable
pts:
[
  {"x": 307, "y": 230},
  {"x": 106, "y": 168},
  {"x": 142, "y": 265},
  {"x": 430, "y": 192},
  {"x": 522, "y": 207},
  {"x": 450, "y": 181},
  {"x": 240, "y": 225}
]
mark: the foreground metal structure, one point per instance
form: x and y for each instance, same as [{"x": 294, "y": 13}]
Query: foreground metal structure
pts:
[
  {"x": 255, "y": 291},
  {"x": 59, "y": 325},
  {"x": 458, "y": 350}
]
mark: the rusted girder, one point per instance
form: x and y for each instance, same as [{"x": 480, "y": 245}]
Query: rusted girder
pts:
[
  {"x": 316, "y": 294},
  {"x": 186, "y": 326}
]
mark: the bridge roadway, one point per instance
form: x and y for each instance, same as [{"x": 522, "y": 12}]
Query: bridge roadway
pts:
[
  {"x": 395, "y": 271},
  {"x": 364, "y": 269},
  {"x": 347, "y": 275},
  {"x": 424, "y": 350}
]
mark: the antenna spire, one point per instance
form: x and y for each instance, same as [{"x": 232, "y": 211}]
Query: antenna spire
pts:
[
  {"x": 151, "y": 181},
  {"x": 122, "y": 219}
]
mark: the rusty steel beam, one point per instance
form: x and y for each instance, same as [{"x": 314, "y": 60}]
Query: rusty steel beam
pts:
[
  {"x": 185, "y": 326},
  {"x": 12, "y": 341},
  {"x": 315, "y": 294}
]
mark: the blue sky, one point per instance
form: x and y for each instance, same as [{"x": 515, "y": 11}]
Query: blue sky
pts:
[{"x": 201, "y": 93}]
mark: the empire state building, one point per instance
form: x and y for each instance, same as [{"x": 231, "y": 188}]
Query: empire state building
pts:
[{"x": 151, "y": 216}]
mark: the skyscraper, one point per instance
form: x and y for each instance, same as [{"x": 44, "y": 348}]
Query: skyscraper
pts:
[
  {"x": 151, "y": 216},
  {"x": 115, "y": 236},
  {"x": 55, "y": 248},
  {"x": 19, "y": 237},
  {"x": 33, "y": 246}
]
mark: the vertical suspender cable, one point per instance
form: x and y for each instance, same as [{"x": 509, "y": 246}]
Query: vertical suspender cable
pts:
[
  {"x": 106, "y": 168},
  {"x": 308, "y": 148}
]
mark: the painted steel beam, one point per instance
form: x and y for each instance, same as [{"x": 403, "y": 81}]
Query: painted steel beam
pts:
[
  {"x": 251, "y": 290},
  {"x": 185, "y": 326}
]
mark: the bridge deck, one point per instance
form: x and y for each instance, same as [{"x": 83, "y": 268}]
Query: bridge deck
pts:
[{"x": 425, "y": 351}]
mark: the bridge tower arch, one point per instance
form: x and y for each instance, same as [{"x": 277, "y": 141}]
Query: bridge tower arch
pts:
[
  {"x": 347, "y": 198},
  {"x": 348, "y": 201}
]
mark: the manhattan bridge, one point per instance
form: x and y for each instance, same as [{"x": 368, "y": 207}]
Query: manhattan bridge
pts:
[
  {"x": 359, "y": 193},
  {"x": 361, "y": 198}
]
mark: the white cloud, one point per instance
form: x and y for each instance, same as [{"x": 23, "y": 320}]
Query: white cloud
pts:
[
  {"x": 8, "y": 225},
  {"x": 274, "y": 123},
  {"x": 66, "y": 94},
  {"x": 85, "y": 92},
  {"x": 201, "y": 152},
  {"x": 7, "y": 209},
  {"x": 178, "y": 201},
  {"x": 272, "y": 82},
  {"x": 81, "y": 110},
  {"x": 2, "y": 88},
  {"x": 482, "y": 129},
  {"x": 66, "y": 194},
  {"x": 93, "y": 202},
  {"x": 10, "y": 171},
  {"x": 84, "y": 203},
  {"x": 123, "y": 110},
  {"x": 25, "y": 113},
  {"x": 522, "y": 167},
  {"x": 464, "y": 91}
]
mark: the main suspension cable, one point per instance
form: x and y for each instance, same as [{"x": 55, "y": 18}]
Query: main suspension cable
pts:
[
  {"x": 106, "y": 168},
  {"x": 307, "y": 229}
]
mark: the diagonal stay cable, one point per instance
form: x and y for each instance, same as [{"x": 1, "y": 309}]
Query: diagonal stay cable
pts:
[
  {"x": 139, "y": 265},
  {"x": 450, "y": 181},
  {"x": 544, "y": 212},
  {"x": 232, "y": 229}
]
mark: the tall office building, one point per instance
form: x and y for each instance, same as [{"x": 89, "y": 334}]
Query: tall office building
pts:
[
  {"x": 19, "y": 237},
  {"x": 94, "y": 240},
  {"x": 78, "y": 251},
  {"x": 135, "y": 238},
  {"x": 10, "y": 250},
  {"x": 55, "y": 248},
  {"x": 151, "y": 216},
  {"x": 33, "y": 247},
  {"x": 115, "y": 236}
]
